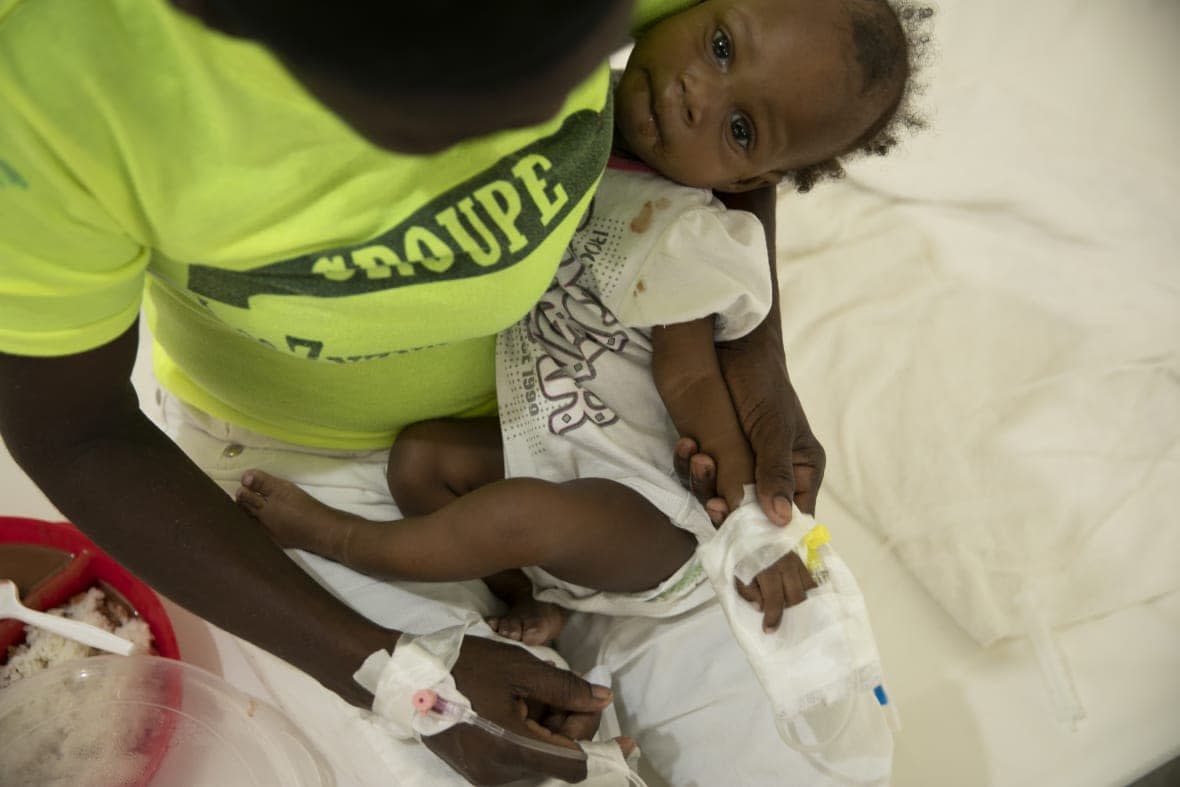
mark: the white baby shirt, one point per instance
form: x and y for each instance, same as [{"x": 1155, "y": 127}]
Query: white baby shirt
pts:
[{"x": 574, "y": 381}]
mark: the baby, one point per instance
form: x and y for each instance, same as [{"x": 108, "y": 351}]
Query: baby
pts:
[{"x": 569, "y": 498}]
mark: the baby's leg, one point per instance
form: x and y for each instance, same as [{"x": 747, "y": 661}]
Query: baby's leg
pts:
[
  {"x": 433, "y": 462},
  {"x": 294, "y": 518},
  {"x": 590, "y": 532}
]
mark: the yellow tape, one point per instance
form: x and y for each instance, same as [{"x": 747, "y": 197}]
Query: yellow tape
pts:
[{"x": 815, "y": 538}]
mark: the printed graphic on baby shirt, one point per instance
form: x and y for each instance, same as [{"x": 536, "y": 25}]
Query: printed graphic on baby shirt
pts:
[
  {"x": 571, "y": 331},
  {"x": 571, "y": 349}
]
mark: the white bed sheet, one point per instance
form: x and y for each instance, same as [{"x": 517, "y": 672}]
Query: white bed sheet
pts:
[
  {"x": 971, "y": 716},
  {"x": 985, "y": 325}
]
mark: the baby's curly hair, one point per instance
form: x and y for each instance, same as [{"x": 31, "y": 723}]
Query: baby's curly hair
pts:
[{"x": 891, "y": 40}]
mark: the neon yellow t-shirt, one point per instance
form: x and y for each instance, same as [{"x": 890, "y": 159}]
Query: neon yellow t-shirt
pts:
[
  {"x": 647, "y": 12},
  {"x": 299, "y": 281}
]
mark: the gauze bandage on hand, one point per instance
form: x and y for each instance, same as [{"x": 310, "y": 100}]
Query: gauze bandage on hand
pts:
[
  {"x": 422, "y": 664},
  {"x": 823, "y": 655},
  {"x": 417, "y": 662}
]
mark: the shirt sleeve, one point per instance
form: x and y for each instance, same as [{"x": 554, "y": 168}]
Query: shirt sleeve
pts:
[
  {"x": 709, "y": 261},
  {"x": 71, "y": 278},
  {"x": 648, "y": 12}
]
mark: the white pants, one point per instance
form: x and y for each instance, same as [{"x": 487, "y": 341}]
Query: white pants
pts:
[{"x": 683, "y": 687}]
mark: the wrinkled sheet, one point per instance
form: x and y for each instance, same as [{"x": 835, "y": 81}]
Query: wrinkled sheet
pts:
[{"x": 985, "y": 325}]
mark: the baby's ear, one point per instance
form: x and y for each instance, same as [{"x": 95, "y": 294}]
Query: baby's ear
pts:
[{"x": 755, "y": 182}]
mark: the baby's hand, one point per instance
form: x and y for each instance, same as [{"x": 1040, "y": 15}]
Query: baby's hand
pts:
[{"x": 784, "y": 584}]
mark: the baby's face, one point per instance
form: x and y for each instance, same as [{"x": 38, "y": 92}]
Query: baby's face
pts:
[{"x": 732, "y": 93}]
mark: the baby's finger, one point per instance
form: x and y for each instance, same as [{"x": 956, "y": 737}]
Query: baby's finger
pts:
[
  {"x": 748, "y": 592},
  {"x": 555, "y": 721},
  {"x": 579, "y": 726},
  {"x": 682, "y": 457},
  {"x": 772, "y": 599},
  {"x": 548, "y": 736},
  {"x": 703, "y": 481},
  {"x": 793, "y": 586},
  {"x": 717, "y": 509}
]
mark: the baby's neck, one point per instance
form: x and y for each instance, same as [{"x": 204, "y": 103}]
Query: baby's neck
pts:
[
  {"x": 619, "y": 147},
  {"x": 619, "y": 150}
]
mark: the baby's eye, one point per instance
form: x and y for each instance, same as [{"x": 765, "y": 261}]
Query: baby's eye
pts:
[
  {"x": 722, "y": 47},
  {"x": 742, "y": 130}
]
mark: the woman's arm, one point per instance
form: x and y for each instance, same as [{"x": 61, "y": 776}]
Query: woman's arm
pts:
[
  {"x": 691, "y": 385},
  {"x": 74, "y": 425},
  {"x": 788, "y": 459},
  {"x": 689, "y": 379}
]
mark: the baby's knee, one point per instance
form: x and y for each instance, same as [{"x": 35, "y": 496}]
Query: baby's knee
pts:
[
  {"x": 433, "y": 462},
  {"x": 416, "y": 475}
]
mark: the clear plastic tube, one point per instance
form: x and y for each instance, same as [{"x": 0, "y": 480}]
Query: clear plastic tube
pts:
[
  {"x": 427, "y": 701},
  {"x": 891, "y": 714}
]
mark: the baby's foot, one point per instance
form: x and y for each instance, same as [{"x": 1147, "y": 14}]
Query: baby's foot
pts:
[
  {"x": 530, "y": 621},
  {"x": 293, "y": 517}
]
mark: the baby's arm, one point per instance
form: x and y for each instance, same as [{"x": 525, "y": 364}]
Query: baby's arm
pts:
[
  {"x": 688, "y": 378},
  {"x": 684, "y": 363}
]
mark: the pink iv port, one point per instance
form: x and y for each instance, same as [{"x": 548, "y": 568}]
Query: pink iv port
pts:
[{"x": 424, "y": 700}]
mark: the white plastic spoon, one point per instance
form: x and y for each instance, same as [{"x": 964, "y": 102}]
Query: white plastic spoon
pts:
[{"x": 10, "y": 607}]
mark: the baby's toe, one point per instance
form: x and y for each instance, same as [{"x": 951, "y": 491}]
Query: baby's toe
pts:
[
  {"x": 261, "y": 482},
  {"x": 535, "y": 634},
  {"x": 513, "y": 628},
  {"x": 249, "y": 499}
]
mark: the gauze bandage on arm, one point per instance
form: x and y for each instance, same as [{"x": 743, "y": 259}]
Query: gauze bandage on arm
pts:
[
  {"x": 822, "y": 661},
  {"x": 417, "y": 662},
  {"x": 422, "y": 665}
]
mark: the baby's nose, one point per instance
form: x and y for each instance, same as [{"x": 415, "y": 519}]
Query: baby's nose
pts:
[{"x": 699, "y": 97}]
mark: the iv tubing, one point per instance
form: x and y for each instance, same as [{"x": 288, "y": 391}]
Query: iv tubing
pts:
[{"x": 427, "y": 701}]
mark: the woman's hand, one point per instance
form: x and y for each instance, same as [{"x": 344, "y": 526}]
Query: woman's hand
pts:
[
  {"x": 509, "y": 686},
  {"x": 788, "y": 459}
]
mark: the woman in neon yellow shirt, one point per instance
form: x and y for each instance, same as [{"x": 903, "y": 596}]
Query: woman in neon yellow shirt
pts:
[{"x": 311, "y": 236}]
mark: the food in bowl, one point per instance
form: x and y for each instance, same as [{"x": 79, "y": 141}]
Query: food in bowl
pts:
[{"x": 43, "y": 649}]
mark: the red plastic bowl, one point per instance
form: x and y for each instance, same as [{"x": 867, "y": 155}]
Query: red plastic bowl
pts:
[{"x": 85, "y": 566}]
